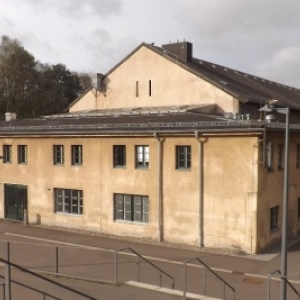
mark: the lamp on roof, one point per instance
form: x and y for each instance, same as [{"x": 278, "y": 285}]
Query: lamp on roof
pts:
[{"x": 283, "y": 275}]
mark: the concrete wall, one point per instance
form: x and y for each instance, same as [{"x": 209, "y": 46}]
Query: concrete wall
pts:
[{"x": 170, "y": 85}]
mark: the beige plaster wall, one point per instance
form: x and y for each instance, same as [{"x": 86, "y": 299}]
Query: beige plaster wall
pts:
[
  {"x": 271, "y": 193},
  {"x": 229, "y": 187},
  {"x": 170, "y": 85}
]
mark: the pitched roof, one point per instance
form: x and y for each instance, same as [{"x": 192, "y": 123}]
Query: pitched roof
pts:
[{"x": 243, "y": 86}]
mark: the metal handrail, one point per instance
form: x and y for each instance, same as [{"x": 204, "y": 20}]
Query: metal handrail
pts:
[
  {"x": 277, "y": 272},
  {"x": 45, "y": 279},
  {"x": 138, "y": 266},
  {"x": 206, "y": 267}
]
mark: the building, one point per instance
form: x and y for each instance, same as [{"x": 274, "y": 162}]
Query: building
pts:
[{"x": 167, "y": 147}]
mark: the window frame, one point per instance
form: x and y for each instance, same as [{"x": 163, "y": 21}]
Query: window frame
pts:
[
  {"x": 274, "y": 216},
  {"x": 76, "y": 155},
  {"x": 58, "y": 155},
  {"x": 22, "y": 154},
  {"x": 131, "y": 208},
  {"x": 142, "y": 156},
  {"x": 7, "y": 154},
  {"x": 119, "y": 156},
  {"x": 183, "y": 157},
  {"x": 68, "y": 201}
]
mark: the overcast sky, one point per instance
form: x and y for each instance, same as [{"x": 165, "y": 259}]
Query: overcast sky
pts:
[{"x": 260, "y": 37}]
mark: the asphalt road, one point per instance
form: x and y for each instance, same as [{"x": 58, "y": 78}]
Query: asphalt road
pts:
[{"x": 94, "y": 257}]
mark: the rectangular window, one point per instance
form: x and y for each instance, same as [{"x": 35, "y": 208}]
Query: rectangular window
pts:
[
  {"x": 119, "y": 155},
  {"x": 298, "y": 215},
  {"x": 22, "y": 154},
  {"x": 280, "y": 157},
  {"x": 298, "y": 156},
  {"x": 269, "y": 155},
  {"x": 58, "y": 155},
  {"x": 68, "y": 201},
  {"x": 7, "y": 156},
  {"x": 142, "y": 156},
  {"x": 150, "y": 88},
  {"x": 136, "y": 88},
  {"x": 183, "y": 157},
  {"x": 274, "y": 211},
  {"x": 132, "y": 208},
  {"x": 76, "y": 154}
]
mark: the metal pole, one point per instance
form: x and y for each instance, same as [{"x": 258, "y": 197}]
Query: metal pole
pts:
[
  {"x": 283, "y": 276},
  {"x": 56, "y": 259},
  {"x": 116, "y": 267},
  {"x": 185, "y": 281},
  {"x": 138, "y": 269},
  {"x": 7, "y": 274}
]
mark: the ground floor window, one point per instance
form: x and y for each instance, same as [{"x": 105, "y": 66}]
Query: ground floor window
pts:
[
  {"x": 68, "y": 201},
  {"x": 274, "y": 211},
  {"x": 133, "y": 208}
]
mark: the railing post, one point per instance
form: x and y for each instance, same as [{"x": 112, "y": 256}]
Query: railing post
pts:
[
  {"x": 269, "y": 288},
  {"x": 7, "y": 274},
  {"x": 184, "y": 282},
  {"x": 116, "y": 267},
  {"x": 25, "y": 217},
  {"x": 138, "y": 268},
  {"x": 204, "y": 281},
  {"x": 160, "y": 279},
  {"x": 56, "y": 260}
]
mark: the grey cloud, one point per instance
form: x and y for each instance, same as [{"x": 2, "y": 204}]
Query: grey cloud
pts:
[{"x": 77, "y": 8}]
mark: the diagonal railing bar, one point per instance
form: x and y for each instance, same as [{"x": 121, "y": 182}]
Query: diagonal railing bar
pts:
[
  {"x": 46, "y": 279},
  {"x": 277, "y": 272},
  {"x": 138, "y": 264},
  {"x": 206, "y": 267}
]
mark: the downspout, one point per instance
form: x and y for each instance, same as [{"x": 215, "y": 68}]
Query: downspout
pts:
[
  {"x": 159, "y": 190},
  {"x": 201, "y": 189}
]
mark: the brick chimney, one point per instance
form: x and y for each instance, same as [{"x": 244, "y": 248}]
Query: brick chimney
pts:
[
  {"x": 9, "y": 116},
  {"x": 183, "y": 50}
]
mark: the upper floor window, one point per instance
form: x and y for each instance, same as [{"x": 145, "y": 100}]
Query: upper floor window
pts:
[
  {"x": 58, "y": 154},
  {"x": 280, "y": 157},
  {"x": 119, "y": 155},
  {"x": 22, "y": 154},
  {"x": 7, "y": 154},
  {"x": 269, "y": 155},
  {"x": 142, "y": 156},
  {"x": 68, "y": 201},
  {"x": 183, "y": 157},
  {"x": 298, "y": 155},
  {"x": 76, "y": 154}
]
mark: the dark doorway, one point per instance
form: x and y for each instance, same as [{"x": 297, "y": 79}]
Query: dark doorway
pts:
[{"x": 15, "y": 201}]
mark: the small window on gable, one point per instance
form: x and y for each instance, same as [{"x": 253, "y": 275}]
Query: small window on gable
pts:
[
  {"x": 150, "y": 88},
  {"x": 136, "y": 88}
]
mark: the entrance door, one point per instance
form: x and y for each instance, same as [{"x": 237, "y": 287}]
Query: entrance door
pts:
[{"x": 15, "y": 201}]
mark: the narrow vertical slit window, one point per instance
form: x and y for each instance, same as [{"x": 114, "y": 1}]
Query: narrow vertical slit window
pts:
[
  {"x": 150, "y": 89},
  {"x": 136, "y": 88},
  {"x": 298, "y": 156}
]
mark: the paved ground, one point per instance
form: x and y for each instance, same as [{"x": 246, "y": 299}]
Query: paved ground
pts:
[{"x": 35, "y": 247}]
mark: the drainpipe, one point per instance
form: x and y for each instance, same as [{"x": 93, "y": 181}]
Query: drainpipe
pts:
[
  {"x": 201, "y": 185},
  {"x": 159, "y": 195}
]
